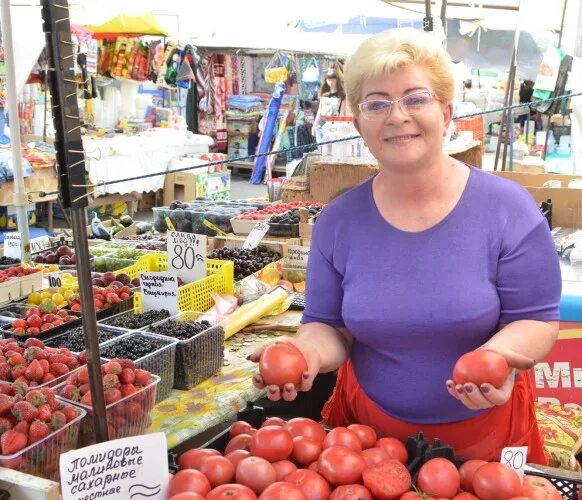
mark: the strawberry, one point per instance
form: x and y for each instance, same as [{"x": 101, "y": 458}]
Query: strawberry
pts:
[
  {"x": 59, "y": 420},
  {"x": 128, "y": 390},
  {"x": 73, "y": 379},
  {"x": 71, "y": 362},
  {"x": 31, "y": 341},
  {"x": 70, "y": 413},
  {"x": 113, "y": 367},
  {"x": 14, "y": 358},
  {"x": 84, "y": 389},
  {"x": 34, "y": 371},
  {"x": 112, "y": 395},
  {"x": 12, "y": 442},
  {"x": 110, "y": 380},
  {"x": 23, "y": 410},
  {"x": 45, "y": 413},
  {"x": 49, "y": 394},
  {"x": 83, "y": 375},
  {"x": 37, "y": 431},
  {"x": 4, "y": 370},
  {"x": 83, "y": 358},
  {"x": 22, "y": 427},
  {"x": 6, "y": 403},
  {"x": 125, "y": 363},
  {"x": 34, "y": 352},
  {"x": 86, "y": 399},
  {"x": 59, "y": 369},
  {"x": 5, "y": 424},
  {"x": 142, "y": 378},
  {"x": 48, "y": 377},
  {"x": 57, "y": 358},
  {"x": 18, "y": 371},
  {"x": 45, "y": 365},
  {"x": 6, "y": 388},
  {"x": 35, "y": 397},
  {"x": 127, "y": 376},
  {"x": 71, "y": 392}
]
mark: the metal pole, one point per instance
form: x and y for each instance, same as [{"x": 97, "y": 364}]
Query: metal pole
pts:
[
  {"x": 527, "y": 125},
  {"x": 428, "y": 24},
  {"x": 509, "y": 125},
  {"x": 504, "y": 113},
  {"x": 562, "y": 22},
  {"x": 20, "y": 198}
]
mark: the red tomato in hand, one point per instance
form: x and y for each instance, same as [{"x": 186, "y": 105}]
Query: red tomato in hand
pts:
[
  {"x": 240, "y": 442},
  {"x": 494, "y": 480},
  {"x": 351, "y": 492},
  {"x": 273, "y": 443},
  {"x": 373, "y": 456},
  {"x": 218, "y": 470},
  {"x": 388, "y": 480},
  {"x": 439, "y": 478},
  {"x": 365, "y": 433},
  {"x": 342, "y": 436},
  {"x": 467, "y": 471},
  {"x": 539, "y": 488},
  {"x": 306, "y": 427},
  {"x": 282, "y": 490},
  {"x": 305, "y": 450},
  {"x": 341, "y": 465},
  {"x": 241, "y": 427},
  {"x": 393, "y": 448},
  {"x": 314, "y": 486},
  {"x": 282, "y": 363},
  {"x": 480, "y": 367},
  {"x": 192, "y": 459},
  {"x": 283, "y": 468},
  {"x": 255, "y": 473},
  {"x": 231, "y": 492},
  {"x": 189, "y": 480}
]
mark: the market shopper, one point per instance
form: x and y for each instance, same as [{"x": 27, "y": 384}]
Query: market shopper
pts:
[
  {"x": 426, "y": 261},
  {"x": 332, "y": 102}
]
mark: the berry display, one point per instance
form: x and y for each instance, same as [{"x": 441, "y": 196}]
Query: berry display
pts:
[
  {"x": 136, "y": 321},
  {"x": 74, "y": 339},
  {"x": 292, "y": 216},
  {"x": 103, "y": 298},
  {"x": 157, "y": 246},
  {"x": 132, "y": 347},
  {"x": 246, "y": 262},
  {"x": 278, "y": 208},
  {"x": 8, "y": 261},
  {"x": 40, "y": 319},
  {"x": 182, "y": 330},
  {"x": 16, "y": 272}
]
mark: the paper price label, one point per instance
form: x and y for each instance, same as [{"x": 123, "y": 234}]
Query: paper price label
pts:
[
  {"x": 187, "y": 255},
  {"x": 159, "y": 291},
  {"x": 297, "y": 256},
  {"x": 39, "y": 244},
  {"x": 515, "y": 457},
  {"x": 54, "y": 280},
  {"x": 256, "y": 235},
  {"x": 120, "y": 469},
  {"x": 12, "y": 245}
]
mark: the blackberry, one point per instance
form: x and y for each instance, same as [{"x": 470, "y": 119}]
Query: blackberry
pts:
[
  {"x": 132, "y": 347},
  {"x": 182, "y": 330},
  {"x": 136, "y": 321},
  {"x": 74, "y": 339}
]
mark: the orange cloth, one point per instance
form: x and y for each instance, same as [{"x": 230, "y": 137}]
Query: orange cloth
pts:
[{"x": 482, "y": 437}]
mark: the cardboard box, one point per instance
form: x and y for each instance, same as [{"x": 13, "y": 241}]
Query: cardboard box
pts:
[
  {"x": 180, "y": 186},
  {"x": 566, "y": 203}
]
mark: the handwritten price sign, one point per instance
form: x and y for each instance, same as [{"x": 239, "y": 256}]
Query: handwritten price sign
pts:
[
  {"x": 187, "y": 255},
  {"x": 159, "y": 291},
  {"x": 515, "y": 457},
  {"x": 12, "y": 245},
  {"x": 256, "y": 235}
]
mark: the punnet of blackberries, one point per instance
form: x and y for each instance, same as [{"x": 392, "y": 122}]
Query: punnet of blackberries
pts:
[
  {"x": 136, "y": 321},
  {"x": 134, "y": 346},
  {"x": 182, "y": 330},
  {"x": 246, "y": 262},
  {"x": 74, "y": 339}
]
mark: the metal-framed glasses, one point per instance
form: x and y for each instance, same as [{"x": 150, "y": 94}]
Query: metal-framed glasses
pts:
[{"x": 410, "y": 104}]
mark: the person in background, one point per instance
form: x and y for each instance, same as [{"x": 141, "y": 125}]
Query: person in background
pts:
[
  {"x": 424, "y": 262},
  {"x": 332, "y": 102}
]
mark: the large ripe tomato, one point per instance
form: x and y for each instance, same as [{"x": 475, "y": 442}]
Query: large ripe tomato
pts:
[
  {"x": 393, "y": 448},
  {"x": 342, "y": 436},
  {"x": 341, "y": 465},
  {"x": 373, "y": 456},
  {"x": 189, "y": 480},
  {"x": 306, "y": 427},
  {"x": 439, "y": 478},
  {"x": 283, "y": 468},
  {"x": 282, "y": 491},
  {"x": 539, "y": 488},
  {"x": 282, "y": 363},
  {"x": 480, "y": 367},
  {"x": 465, "y": 495},
  {"x": 240, "y": 442},
  {"x": 255, "y": 473},
  {"x": 305, "y": 450},
  {"x": 351, "y": 492},
  {"x": 413, "y": 495},
  {"x": 187, "y": 496},
  {"x": 493, "y": 481},
  {"x": 192, "y": 459},
  {"x": 241, "y": 427},
  {"x": 365, "y": 433},
  {"x": 467, "y": 471},
  {"x": 274, "y": 421},
  {"x": 388, "y": 480},
  {"x": 231, "y": 492},
  {"x": 218, "y": 470},
  {"x": 237, "y": 456},
  {"x": 273, "y": 443},
  {"x": 313, "y": 485}
]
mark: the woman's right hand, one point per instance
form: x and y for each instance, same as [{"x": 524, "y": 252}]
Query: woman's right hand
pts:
[{"x": 289, "y": 391}]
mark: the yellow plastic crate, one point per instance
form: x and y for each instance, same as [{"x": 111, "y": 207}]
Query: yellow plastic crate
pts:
[{"x": 195, "y": 296}]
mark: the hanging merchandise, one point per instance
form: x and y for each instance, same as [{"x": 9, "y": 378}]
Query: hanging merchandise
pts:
[
  {"x": 308, "y": 86},
  {"x": 275, "y": 74},
  {"x": 311, "y": 72},
  {"x": 220, "y": 97},
  {"x": 246, "y": 71},
  {"x": 156, "y": 59}
]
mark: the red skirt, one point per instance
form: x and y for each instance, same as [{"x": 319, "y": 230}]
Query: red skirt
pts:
[{"x": 482, "y": 437}]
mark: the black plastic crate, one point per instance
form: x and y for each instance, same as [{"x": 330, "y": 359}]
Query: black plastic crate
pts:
[
  {"x": 567, "y": 484},
  {"x": 198, "y": 357},
  {"x": 288, "y": 230}
]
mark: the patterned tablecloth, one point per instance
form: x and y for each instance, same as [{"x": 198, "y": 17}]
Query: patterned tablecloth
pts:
[{"x": 185, "y": 414}]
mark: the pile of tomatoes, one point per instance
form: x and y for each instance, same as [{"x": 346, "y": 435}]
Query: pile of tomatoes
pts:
[{"x": 299, "y": 460}]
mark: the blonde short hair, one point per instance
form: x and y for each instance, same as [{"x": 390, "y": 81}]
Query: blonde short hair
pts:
[{"x": 396, "y": 49}]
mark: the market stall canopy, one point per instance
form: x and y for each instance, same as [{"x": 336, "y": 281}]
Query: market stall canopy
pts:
[{"x": 123, "y": 24}]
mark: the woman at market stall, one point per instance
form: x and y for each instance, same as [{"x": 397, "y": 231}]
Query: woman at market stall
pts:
[
  {"x": 332, "y": 102},
  {"x": 428, "y": 260}
]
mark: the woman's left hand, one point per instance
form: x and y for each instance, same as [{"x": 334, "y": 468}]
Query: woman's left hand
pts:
[{"x": 487, "y": 396}]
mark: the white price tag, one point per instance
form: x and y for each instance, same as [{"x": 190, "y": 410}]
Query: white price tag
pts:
[
  {"x": 39, "y": 244},
  {"x": 12, "y": 245},
  {"x": 120, "y": 469},
  {"x": 159, "y": 291},
  {"x": 297, "y": 256},
  {"x": 515, "y": 457},
  {"x": 54, "y": 280},
  {"x": 187, "y": 255},
  {"x": 256, "y": 235}
]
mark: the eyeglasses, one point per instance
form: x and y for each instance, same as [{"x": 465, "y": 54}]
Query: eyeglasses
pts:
[{"x": 411, "y": 104}]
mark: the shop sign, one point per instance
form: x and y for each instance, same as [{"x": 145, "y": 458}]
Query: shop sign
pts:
[
  {"x": 39, "y": 244},
  {"x": 256, "y": 235},
  {"x": 558, "y": 378},
  {"x": 134, "y": 467},
  {"x": 12, "y": 245},
  {"x": 159, "y": 291},
  {"x": 187, "y": 255}
]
